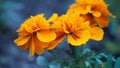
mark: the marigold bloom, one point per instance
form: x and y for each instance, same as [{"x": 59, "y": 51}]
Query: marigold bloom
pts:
[
  {"x": 96, "y": 9},
  {"x": 35, "y": 33},
  {"x": 73, "y": 27}
]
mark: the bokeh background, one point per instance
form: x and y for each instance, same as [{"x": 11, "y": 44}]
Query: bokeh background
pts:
[{"x": 15, "y": 12}]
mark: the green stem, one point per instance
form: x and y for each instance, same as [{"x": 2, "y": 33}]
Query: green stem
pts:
[
  {"x": 82, "y": 47},
  {"x": 75, "y": 51}
]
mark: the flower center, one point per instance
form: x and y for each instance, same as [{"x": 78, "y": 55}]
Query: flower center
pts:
[
  {"x": 71, "y": 33},
  {"x": 90, "y": 15}
]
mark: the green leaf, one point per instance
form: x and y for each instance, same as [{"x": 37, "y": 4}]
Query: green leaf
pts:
[
  {"x": 98, "y": 60},
  {"x": 54, "y": 66},
  {"x": 117, "y": 63},
  {"x": 103, "y": 55},
  {"x": 87, "y": 64},
  {"x": 86, "y": 51},
  {"x": 109, "y": 61},
  {"x": 40, "y": 60}
]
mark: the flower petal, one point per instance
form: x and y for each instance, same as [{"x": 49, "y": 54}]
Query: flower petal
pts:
[
  {"x": 24, "y": 47},
  {"x": 39, "y": 46},
  {"x": 46, "y": 36},
  {"x": 22, "y": 40},
  {"x": 79, "y": 37},
  {"x": 32, "y": 47},
  {"x": 96, "y": 33},
  {"x": 103, "y": 21},
  {"x": 66, "y": 27},
  {"x": 54, "y": 43},
  {"x": 91, "y": 20},
  {"x": 96, "y": 13},
  {"x": 53, "y": 17},
  {"x": 22, "y": 32}
]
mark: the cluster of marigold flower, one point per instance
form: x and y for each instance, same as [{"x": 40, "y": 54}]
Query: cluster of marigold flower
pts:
[{"x": 83, "y": 21}]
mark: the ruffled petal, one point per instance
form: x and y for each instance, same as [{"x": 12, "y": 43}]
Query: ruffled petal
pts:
[
  {"x": 66, "y": 27},
  {"x": 46, "y": 36},
  {"x": 96, "y": 33},
  {"x": 27, "y": 28},
  {"x": 72, "y": 8},
  {"x": 53, "y": 17},
  {"x": 21, "y": 40},
  {"x": 96, "y": 13},
  {"x": 54, "y": 43},
  {"x": 91, "y": 20},
  {"x": 32, "y": 47},
  {"x": 84, "y": 10},
  {"x": 39, "y": 46},
  {"x": 22, "y": 32},
  {"x": 24, "y": 47},
  {"x": 75, "y": 8},
  {"x": 81, "y": 1},
  {"x": 78, "y": 1},
  {"x": 72, "y": 40},
  {"x": 103, "y": 21},
  {"x": 79, "y": 38}
]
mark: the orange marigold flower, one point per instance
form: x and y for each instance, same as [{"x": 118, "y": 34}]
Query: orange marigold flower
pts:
[
  {"x": 96, "y": 33},
  {"x": 96, "y": 9},
  {"x": 73, "y": 27},
  {"x": 35, "y": 33}
]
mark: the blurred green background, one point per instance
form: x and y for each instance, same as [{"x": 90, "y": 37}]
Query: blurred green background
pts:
[{"x": 15, "y": 12}]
